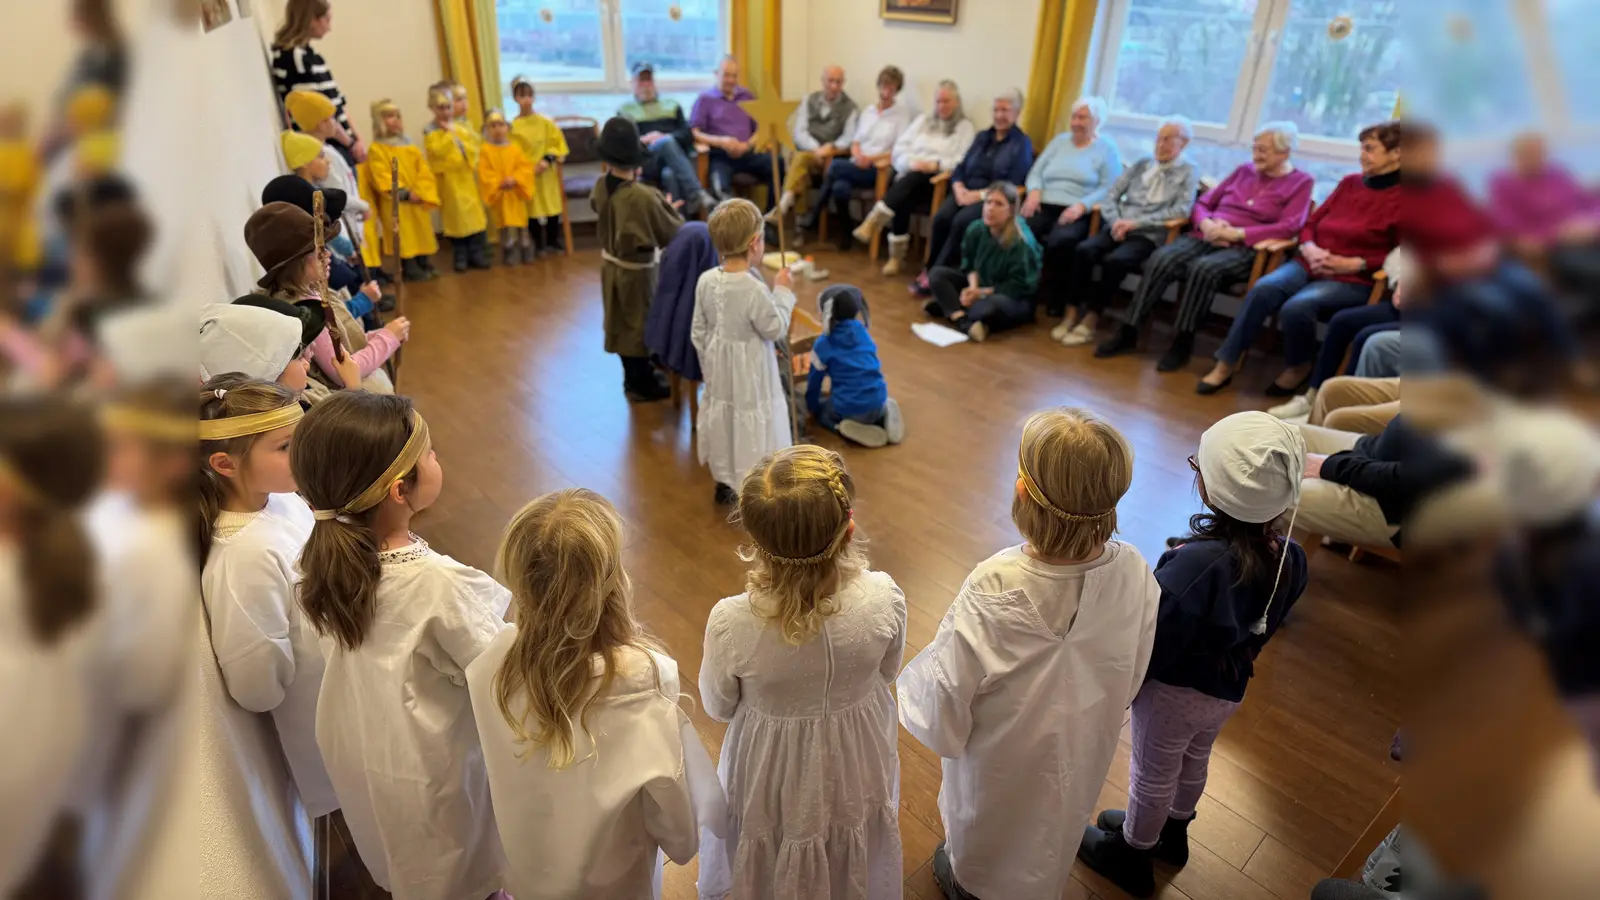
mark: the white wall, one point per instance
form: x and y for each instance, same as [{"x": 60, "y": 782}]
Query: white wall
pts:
[
  {"x": 987, "y": 52},
  {"x": 377, "y": 49}
]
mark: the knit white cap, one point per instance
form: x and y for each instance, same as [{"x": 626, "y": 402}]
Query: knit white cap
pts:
[
  {"x": 1550, "y": 461},
  {"x": 256, "y": 342},
  {"x": 1252, "y": 464}
]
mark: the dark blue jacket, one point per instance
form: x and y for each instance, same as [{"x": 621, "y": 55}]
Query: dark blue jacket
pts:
[
  {"x": 1203, "y": 638},
  {"x": 849, "y": 359},
  {"x": 989, "y": 161},
  {"x": 666, "y": 331}
]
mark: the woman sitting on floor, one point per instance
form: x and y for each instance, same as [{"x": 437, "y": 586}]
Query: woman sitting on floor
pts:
[
  {"x": 1341, "y": 245},
  {"x": 993, "y": 290},
  {"x": 1073, "y": 174},
  {"x": 935, "y": 142},
  {"x": 1001, "y": 153}
]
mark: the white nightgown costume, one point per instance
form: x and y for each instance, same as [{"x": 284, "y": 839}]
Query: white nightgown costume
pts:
[
  {"x": 810, "y": 762},
  {"x": 642, "y": 784},
  {"x": 267, "y": 651},
  {"x": 395, "y": 725},
  {"x": 1023, "y": 692},
  {"x": 743, "y": 415}
]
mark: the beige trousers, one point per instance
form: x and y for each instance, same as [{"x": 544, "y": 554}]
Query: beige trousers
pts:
[
  {"x": 1361, "y": 405},
  {"x": 805, "y": 169},
  {"x": 1334, "y": 510}
]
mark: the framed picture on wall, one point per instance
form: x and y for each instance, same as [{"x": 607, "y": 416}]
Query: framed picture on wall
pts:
[
  {"x": 942, "y": 12},
  {"x": 215, "y": 13}
]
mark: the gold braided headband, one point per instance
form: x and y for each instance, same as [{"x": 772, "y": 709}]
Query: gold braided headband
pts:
[
  {"x": 410, "y": 454},
  {"x": 254, "y": 423},
  {"x": 146, "y": 423},
  {"x": 1054, "y": 510},
  {"x": 836, "y": 487}
]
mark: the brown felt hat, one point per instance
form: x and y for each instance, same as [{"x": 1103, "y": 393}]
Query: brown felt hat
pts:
[{"x": 278, "y": 234}]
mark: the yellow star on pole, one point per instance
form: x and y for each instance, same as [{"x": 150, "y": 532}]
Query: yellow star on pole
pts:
[{"x": 771, "y": 113}]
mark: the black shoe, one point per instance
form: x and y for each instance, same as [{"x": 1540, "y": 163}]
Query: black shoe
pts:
[
  {"x": 933, "y": 309},
  {"x": 646, "y": 392},
  {"x": 1177, "y": 356},
  {"x": 461, "y": 254},
  {"x": 808, "y": 221},
  {"x": 412, "y": 270},
  {"x": 428, "y": 271},
  {"x": 478, "y": 252},
  {"x": 1273, "y": 390},
  {"x": 1126, "y": 338},
  {"x": 380, "y": 276},
  {"x": 1206, "y": 389},
  {"x": 1107, "y": 853},
  {"x": 844, "y": 240},
  {"x": 385, "y": 303},
  {"x": 945, "y": 876},
  {"x": 725, "y": 495},
  {"x": 1172, "y": 847}
]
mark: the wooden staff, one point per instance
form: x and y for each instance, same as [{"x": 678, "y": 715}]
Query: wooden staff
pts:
[
  {"x": 777, "y": 191},
  {"x": 399, "y": 264},
  {"x": 318, "y": 238}
]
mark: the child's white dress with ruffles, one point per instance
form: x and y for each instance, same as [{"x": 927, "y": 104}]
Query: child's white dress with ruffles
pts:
[{"x": 743, "y": 416}]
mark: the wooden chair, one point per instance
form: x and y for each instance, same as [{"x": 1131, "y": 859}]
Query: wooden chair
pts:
[
  {"x": 741, "y": 181},
  {"x": 582, "y": 162},
  {"x": 878, "y": 189}
]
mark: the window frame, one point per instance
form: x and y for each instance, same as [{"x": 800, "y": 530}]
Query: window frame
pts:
[{"x": 614, "y": 60}]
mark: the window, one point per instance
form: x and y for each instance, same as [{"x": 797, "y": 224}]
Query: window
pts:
[{"x": 580, "y": 53}]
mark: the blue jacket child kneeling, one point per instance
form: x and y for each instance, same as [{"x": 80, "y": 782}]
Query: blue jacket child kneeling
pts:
[{"x": 858, "y": 405}]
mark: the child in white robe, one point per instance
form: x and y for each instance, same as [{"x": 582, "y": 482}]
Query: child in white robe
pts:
[
  {"x": 51, "y": 456},
  {"x": 253, "y": 527},
  {"x": 802, "y": 665},
  {"x": 577, "y": 709},
  {"x": 737, "y": 319},
  {"x": 1025, "y": 685},
  {"x": 399, "y": 625}
]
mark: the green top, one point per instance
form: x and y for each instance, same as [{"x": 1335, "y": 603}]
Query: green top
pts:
[
  {"x": 1012, "y": 271},
  {"x": 657, "y": 109}
]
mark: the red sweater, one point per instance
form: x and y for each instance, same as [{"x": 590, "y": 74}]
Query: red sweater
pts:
[
  {"x": 1441, "y": 217},
  {"x": 1357, "y": 220}
]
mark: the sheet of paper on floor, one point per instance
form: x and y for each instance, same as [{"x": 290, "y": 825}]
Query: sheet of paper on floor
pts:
[{"x": 936, "y": 334}]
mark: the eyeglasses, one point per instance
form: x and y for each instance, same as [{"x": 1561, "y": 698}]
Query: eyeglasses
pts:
[{"x": 1192, "y": 464}]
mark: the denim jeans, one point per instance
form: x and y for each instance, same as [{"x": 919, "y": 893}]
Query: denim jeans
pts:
[
  {"x": 843, "y": 177},
  {"x": 825, "y": 416},
  {"x": 1379, "y": 356},
  {"x": 670, "y": 165},
  {"x": 1347, "y": 330},
  {"x": 755, "y": 164},
  {"x": 1299, "y": 302}
]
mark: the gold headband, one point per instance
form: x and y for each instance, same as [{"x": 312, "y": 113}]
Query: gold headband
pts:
[
  {"x": 1054, "y": 510},
  {"x": 9, "y": 478},
  {"x": 149, "y": 424},
  {"x": 254, "y": 423},
  {"x": 410, "y": 455}
]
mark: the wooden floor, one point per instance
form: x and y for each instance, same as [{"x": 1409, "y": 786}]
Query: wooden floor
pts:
[{"x": 509, "y": 369}]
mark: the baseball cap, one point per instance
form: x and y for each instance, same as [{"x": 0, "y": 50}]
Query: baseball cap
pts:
[{"x": 644, "y": 67}]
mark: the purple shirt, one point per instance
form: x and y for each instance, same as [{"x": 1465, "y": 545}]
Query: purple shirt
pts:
[
  {"x": 1266, "y": 208},
  {"x": 1537, "y": 207},
  {"x": 716, "y": 114}
]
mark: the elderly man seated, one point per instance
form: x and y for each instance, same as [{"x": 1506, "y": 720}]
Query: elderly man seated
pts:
[
  {"x": 665, "y": 133},
  {"x": 721, "y": 123},
  {"x": 1133, "y": 219},
  {"x": 822, "y": 128},
  {"x": 1265, "y": 199},
  {"x": 1547, "y": 215}
]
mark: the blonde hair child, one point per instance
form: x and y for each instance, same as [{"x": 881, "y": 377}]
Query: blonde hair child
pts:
[
  {"x": 418, "y": 196},
  {"x": 577, "y": 711},
  {"x": 452, "y": 148},
  {"x": 1033, "y": 667},
  {"x": 802, "y": 665},
  {"x": 400, "y": 623},
  {"x": 737, "y": 322},
  {"x": 252, "y": 528},
  {"x": 505, "y": 178}
]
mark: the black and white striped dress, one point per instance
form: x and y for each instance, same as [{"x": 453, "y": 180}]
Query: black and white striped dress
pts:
[{"x": 303, "y": 69}]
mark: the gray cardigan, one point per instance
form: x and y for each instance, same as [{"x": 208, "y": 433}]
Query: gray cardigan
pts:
[{"x": 1129, "y": 198}]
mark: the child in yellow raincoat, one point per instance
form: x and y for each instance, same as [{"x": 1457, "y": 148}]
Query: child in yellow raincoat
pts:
[
  {"x": 543, "y": 143},
  {"x": 453, "y": 156},
  {"x": 19, "y": 184},
  {"x": 505, "y": 176},
  {"x": 418, "y": 194}
]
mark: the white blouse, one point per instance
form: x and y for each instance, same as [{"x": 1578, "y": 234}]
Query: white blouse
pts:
[{"x": 922, "y": 142}]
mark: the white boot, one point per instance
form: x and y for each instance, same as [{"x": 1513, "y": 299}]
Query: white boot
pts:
[
  {"x": 898, "y": 244},
  {"x": 879, "y": 216},
  {"x": 1296, "y": 408},
  {"x": 785, "y": 203}
]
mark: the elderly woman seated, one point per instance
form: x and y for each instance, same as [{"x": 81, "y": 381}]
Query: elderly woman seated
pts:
[
  {"x": 935, "y": 142},
  {"x": 1133, "y": 220},
  {"x": 1071, "y": 176},
  {"x": 1000, "y": 153},
  {"x": 1265, "y": 199},
  {"x": 1547, "y": 216},
  {"x": 999, "y": 271},
  {"x": 876, "y": 129},
  {"x": 1341, "y": 245}
]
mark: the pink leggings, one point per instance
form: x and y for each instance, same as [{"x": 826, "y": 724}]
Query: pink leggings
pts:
[{"x": 1173, "y": 730}]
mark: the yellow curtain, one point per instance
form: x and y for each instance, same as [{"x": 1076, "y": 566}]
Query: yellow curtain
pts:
[
  {"x": 739, "y": 33},
  {"x": 469, "y": 50},
  {"x": 1060, "y": 56}
]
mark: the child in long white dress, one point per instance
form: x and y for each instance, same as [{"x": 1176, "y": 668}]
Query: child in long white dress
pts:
[
  {"x": 737, "y": 319},
  {"x": 803, "y": 666}
]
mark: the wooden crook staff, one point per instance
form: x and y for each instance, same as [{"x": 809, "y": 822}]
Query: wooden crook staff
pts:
[
  {"x": 399, "y": 264},
  {"x": 318, "y": 216}
]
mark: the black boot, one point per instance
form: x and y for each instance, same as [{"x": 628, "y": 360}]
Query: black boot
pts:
[
  {"x": 639, "y": 381},
  {"x": 1108, "y": 853},
  {"x": 1172, "y": 847},
  {"x": 944, "y": 875},
  {"x": 725, "y": 496},
  {"x": 478, "y": 251},
  {"x": 1177, "y": 356},
  {"x": 552, "y": 235},
  {"x": 461, "y": 251},
  {"x": 412, "y": 269},
  {"x": 1126, "y": 338},
  {"x": 536, "y": 228},
  {"x": 428, "y": 271}
]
